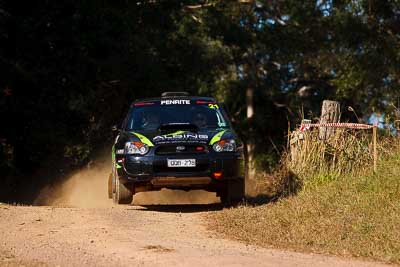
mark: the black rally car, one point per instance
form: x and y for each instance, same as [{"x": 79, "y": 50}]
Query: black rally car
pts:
[{"x": 176, "y": 142}]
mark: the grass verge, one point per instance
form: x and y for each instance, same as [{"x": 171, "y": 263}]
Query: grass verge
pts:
[{"x": 353, "y": 215}]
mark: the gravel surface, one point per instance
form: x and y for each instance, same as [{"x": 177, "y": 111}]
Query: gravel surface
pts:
[{"x": 130, "y": 236}]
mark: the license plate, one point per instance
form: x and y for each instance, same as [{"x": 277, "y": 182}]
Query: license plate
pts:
[{"x": 181, "y": 163}]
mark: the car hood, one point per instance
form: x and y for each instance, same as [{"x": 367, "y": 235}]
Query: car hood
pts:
[{"x": 209, "y": 136}]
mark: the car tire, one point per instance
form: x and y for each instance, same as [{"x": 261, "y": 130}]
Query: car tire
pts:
[
  {"x": 110, "y": 185},
  {"x": 121, "y": 193},
  {"x": 233, "y": 192}
]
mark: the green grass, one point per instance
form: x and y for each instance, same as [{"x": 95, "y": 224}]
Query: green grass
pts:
[{"x": 352, "y": 215}]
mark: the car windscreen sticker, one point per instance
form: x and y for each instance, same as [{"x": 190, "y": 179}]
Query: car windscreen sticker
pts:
[
  {"x": 140, "y": 104},
  {"x": 213, "y": 106},
  {"x": 201, "y": 102},
  {"x": 175, "y": 102},
  {"x": 221, "y": 123}
]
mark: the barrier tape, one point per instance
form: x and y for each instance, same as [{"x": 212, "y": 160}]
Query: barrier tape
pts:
[{"x": 336, "y": 125}]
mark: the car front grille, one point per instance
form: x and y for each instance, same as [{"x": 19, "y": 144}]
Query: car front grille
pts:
[{"x": 181, "y": 149}]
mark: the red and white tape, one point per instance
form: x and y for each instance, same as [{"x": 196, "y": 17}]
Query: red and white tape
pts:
[{"x": 336, "y": 125}]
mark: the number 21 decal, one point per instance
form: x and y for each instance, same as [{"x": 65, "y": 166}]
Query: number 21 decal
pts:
[{"x": 213, "y": 106}]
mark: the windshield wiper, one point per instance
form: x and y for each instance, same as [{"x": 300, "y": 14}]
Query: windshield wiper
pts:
[{"x": 178, "y": 126}]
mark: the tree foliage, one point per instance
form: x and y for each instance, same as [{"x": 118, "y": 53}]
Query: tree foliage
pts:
[{"x": 70, "y": 69}]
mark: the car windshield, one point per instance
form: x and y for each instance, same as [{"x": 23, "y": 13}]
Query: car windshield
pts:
[{"x": 151, "y": 117}]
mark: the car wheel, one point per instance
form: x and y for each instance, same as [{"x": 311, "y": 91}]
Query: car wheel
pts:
[
  {"x": 233, "y": 192},
  {"x": 110, "y": 185},
  {"x": 121, "y": 194}
]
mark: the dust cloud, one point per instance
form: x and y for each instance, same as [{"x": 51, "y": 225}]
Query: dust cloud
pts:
[
  {"x": 88, "y": 188},
  {"x": 259, "y": 186}
]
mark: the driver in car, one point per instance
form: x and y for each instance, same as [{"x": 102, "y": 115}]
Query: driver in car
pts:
[
  {"x": 151, "y": 121},
  {"x": 200, "y": 120}
]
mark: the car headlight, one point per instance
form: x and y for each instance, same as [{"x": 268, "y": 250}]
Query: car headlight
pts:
[
  {"x": 225, "y": 146},
  {"x": 136, "y": 148}
]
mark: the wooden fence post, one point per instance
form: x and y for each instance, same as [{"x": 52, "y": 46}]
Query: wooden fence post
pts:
[
  {"x": 374, "y": 137},
  {"x": 330, "y": 113}
]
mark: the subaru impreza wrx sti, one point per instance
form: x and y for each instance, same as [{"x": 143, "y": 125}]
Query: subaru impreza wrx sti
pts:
[{"x": 176, "y": 141}]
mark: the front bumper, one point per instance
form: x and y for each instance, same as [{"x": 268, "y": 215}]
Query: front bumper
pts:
[{"x": 147, "y": 168}]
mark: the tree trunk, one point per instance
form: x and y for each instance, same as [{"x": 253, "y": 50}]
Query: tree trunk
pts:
[
  {"x": 250, "y": 142},
  {"x": 330, "y": 113}
]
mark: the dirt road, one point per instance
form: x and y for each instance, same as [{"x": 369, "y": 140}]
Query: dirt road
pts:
[
  {"x": 130, "y": 236},
  {"x": 78, "y": 226}
]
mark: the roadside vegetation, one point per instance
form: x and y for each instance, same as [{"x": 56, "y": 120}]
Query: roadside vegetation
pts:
[{"x": 342, "y": 210}]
